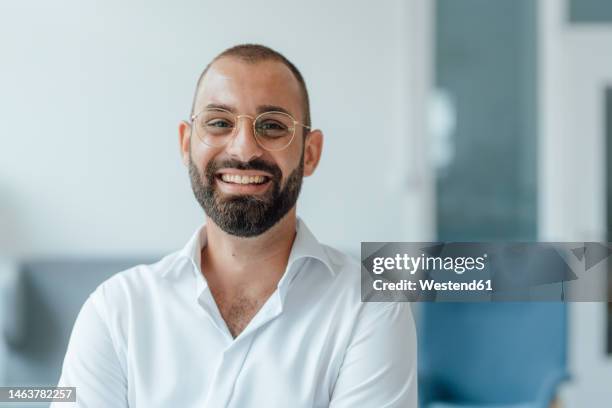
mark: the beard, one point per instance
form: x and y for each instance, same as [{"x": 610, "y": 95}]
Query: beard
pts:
[{"x": 246, "y": 215}]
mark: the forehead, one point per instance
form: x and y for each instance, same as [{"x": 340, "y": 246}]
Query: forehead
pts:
[{"x": 247, "y": 86}]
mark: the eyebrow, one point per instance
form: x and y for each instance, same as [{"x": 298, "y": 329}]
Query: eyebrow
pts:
[
  {"x": 260, "y": 109},
  {"x": 272, "y": 108},
  {"x": 220, "y": 106}
]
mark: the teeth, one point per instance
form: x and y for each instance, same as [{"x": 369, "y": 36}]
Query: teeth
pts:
[{"x": 234, "y": 178}]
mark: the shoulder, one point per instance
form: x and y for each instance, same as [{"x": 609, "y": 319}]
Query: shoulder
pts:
[
  {"x": 134, "y": 285},
  {"x": 345, "y": 271},
  {"x": 347, "y": 286}
]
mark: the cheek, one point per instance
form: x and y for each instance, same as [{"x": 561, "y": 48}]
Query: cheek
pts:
[
  {"x": 201, "y": 155},
  {"x": 295, "y": 151},
  {"x": 289, "y": 164}
]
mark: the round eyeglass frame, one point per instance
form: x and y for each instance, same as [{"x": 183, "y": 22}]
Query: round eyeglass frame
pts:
[{"x": 253, "y": 120}]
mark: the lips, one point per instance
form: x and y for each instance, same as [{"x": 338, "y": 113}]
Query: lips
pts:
[
  {"x": 231, "y": 181},
  {"x": 234, "y": 177}
]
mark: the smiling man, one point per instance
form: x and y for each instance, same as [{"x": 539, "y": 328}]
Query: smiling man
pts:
[{"x": 253, "y": 311}]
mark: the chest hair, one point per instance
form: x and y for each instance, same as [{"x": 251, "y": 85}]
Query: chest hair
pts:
[{"x": 238, "y": 310}]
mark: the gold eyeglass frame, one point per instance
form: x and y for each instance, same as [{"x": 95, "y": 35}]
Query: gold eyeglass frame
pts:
[{"x": 253, "y": 120}]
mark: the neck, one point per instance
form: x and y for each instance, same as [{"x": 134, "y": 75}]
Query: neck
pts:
[{"x": 231, "y": 258}]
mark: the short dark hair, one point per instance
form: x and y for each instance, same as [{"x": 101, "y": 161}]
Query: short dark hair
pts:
[{"x": 253, "y": 53}]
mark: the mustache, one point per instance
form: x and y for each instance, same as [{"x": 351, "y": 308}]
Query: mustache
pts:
[{"x": 255, "y": 164}]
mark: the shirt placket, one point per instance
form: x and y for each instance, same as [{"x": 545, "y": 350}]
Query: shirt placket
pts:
[
  {"x": 227, "y": 372},
  {"x": 234, "y": 356}
]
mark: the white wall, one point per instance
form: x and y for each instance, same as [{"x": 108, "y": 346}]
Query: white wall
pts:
[
  {"x": 92, "y": 93},
  {"x": 575, "y": 65}
]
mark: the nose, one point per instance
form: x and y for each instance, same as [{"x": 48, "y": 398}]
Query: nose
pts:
[{"x": 244, "y": 146}]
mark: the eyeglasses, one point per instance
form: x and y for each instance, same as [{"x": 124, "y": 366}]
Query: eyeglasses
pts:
[{"x": 273, "y": 130}]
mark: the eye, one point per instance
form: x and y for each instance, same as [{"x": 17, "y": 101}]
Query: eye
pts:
[
  {"x": 272, "y": 129},
  {"x": 218, "y": 123},
  {"x": 271, "y": 125}
]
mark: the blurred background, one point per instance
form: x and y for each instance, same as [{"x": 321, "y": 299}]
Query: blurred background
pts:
[{"x": 463, "y": 120}]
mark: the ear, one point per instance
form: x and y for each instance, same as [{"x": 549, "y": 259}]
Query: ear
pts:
[
  {"x": 313, "y": 145},
  {"x": 184, "y": 141}
]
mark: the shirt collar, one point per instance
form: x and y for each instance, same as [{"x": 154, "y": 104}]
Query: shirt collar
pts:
[{"x": 304, "y": 246}]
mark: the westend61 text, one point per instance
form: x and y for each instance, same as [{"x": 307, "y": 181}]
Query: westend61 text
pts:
[{"x": 430, "y": 284}]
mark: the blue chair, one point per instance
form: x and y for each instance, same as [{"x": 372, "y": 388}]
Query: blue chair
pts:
[{"x": 502, "y": 355}]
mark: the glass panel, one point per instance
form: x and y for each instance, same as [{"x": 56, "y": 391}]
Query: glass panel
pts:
[
  {"x": 590, "y": 11},
  {"x": 484, "y": 141},
  {"x": 608, "y": 102}
]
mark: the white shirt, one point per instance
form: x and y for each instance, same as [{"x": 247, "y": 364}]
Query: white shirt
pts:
[{"x": 152, "y": 336}]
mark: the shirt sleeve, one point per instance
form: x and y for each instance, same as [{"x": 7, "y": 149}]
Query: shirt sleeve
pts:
[
  {"x": 379, "y": 368},
  {"x": 91, "y": 363}
]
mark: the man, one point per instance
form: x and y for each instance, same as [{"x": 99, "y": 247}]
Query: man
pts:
[{"x": 253, "y": 311}]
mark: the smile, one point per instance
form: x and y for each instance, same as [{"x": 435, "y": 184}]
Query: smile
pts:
[{"x": 238, "y": 179}]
